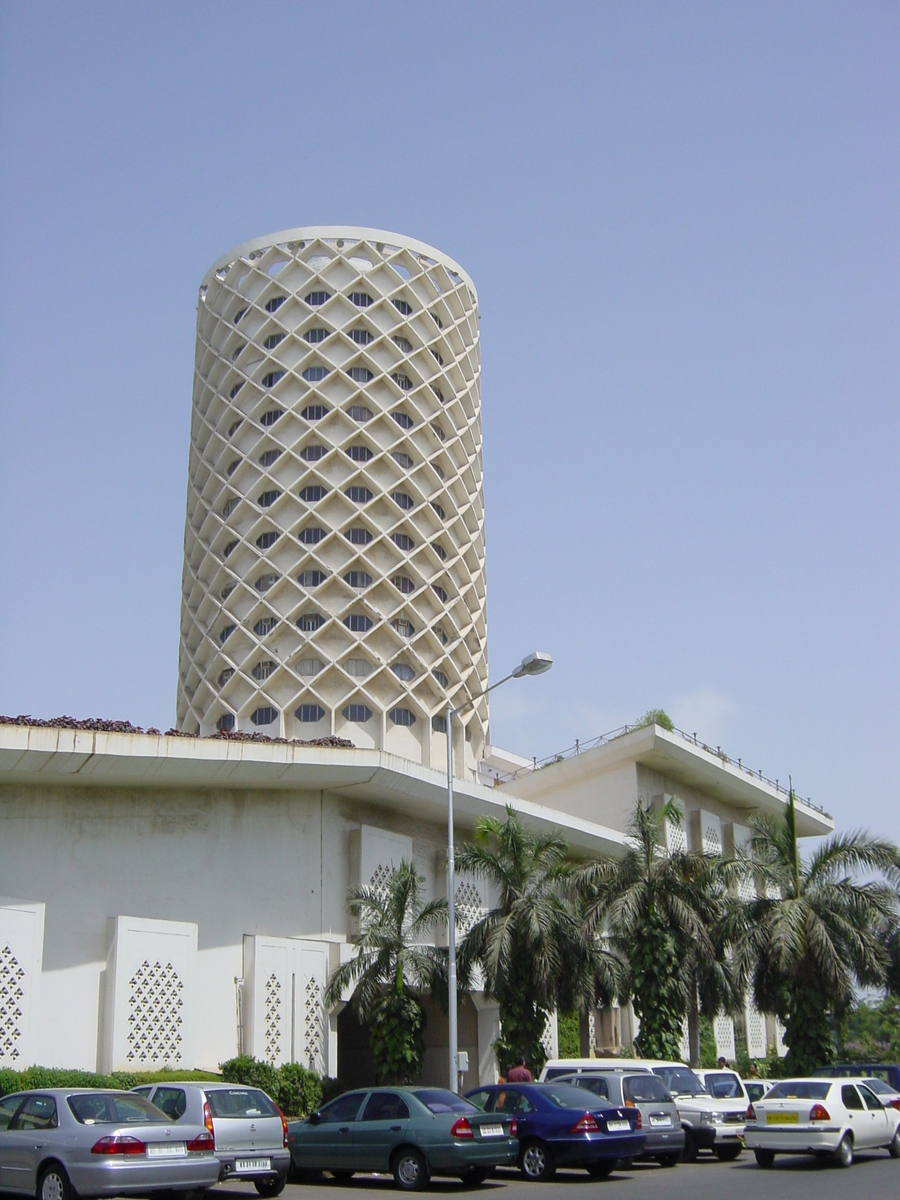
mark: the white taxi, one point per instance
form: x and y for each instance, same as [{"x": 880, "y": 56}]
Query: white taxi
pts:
[{"x": 829, "y": 1117}]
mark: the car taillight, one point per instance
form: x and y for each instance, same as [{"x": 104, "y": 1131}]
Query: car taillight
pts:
[
  {"x": 639, "y": 1124},
  {"x": 461, "y": 1129},
  {"x": 751, "y": 1113},
  {"x": 587, "y": 1124},
  {"x": 207, "y": 1120},
  {"x": 818, "y": 1112},
  {"x": 203, "y": 1141},
  {"x": 514, "y": 1128},
  {"x": 895, "y": 1103},
  {"x": 283, "y": 1127},
  {"x": 119, "y": 1143},
  {"x": 630, "y": 1104}
]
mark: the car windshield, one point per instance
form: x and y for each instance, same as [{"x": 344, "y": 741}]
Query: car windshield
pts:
[
  {"x": 106, "y": 1108},
  {"x": 879, "y": 1087},
  {"x": 240, "y": 1102},
  {"x": 564, "y": 1095},
  {"x": 437, "y": 1100},
  {"x": 802, "y": 1089},
  {"x": 644, "y": 1089},
  {"x": 681, "y": 1081},
  {"x": 724, "y": 1085}
]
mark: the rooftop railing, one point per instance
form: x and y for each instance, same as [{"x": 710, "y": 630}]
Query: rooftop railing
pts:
[{"x": 581, "y": 747}]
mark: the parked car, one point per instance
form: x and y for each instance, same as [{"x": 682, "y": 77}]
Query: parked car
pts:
[
  {"x": 648, "y": 1094},
  {"x": 723, "y": 1084},
  {"x": 60, "y": 1143},
  {"x": 829, "y": 1117},
  {"x": 413, "y": 1132},
  {"x": 249, "y": 1131},
  {"x": 885, "y": 1093},
  {"x": 555, "y": 1068},
  {"x": 709, "y": 1124},
  {"x": 756, "y": 1088},
  {"x": 889, "y": 1072},
  {"x": 561, "y": 1126}
]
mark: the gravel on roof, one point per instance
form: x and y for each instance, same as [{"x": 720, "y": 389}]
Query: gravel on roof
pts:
[{"x": 101, "y": 725}]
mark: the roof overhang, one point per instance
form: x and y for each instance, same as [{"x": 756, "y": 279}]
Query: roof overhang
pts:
[
  {"x": 680, "y": 759},
  {"x": 53, "y": 757}
]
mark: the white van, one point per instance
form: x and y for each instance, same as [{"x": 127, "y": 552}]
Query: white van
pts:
[{"x": 554, "y": 1067}]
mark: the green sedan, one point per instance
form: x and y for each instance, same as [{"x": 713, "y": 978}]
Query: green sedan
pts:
[{"x": 413, "y": 1132}]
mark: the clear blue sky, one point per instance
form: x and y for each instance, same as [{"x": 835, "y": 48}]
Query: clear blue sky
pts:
[{"x": 682, "y": 220}]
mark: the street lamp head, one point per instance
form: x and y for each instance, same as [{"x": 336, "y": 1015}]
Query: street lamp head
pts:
[{"x": 535, "y": 663}]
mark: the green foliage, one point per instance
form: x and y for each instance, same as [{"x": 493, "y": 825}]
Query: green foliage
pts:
[
  {"x": 872, "y": 1031},
  {"x": 295, "y": 1090},
  {"x": 709, "y": 1055},
  {"x": 396, "y": 1030},
  {"x": 659, "y": 1002},
  {"x": 522, "y": 1023},
  {"x": 51, "y": 1077},
  {"x": 655, "y": 716},
  {"x": 808, "y": 1034},
  {"x": 569, "y": 1036}
]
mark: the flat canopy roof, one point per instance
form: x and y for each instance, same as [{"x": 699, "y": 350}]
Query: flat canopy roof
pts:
[
  {"x": 680, "y": 759},
  {"x": 58, "y": 757}
]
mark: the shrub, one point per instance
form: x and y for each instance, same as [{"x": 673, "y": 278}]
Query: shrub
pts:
[
  {"x": 50, "y": 1077},
  {"x": 295, "y": 1090},
  {"x": 569, "y": 1035}
]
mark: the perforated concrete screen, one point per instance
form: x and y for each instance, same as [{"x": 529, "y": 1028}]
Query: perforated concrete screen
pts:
[{"x": 334, "y": 574}]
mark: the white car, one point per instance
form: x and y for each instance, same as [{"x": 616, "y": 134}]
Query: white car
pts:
[{"x": 829, "y": 1117}]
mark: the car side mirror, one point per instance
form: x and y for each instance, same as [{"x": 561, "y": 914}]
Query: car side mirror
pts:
[{"x": 315, "y": 1118}]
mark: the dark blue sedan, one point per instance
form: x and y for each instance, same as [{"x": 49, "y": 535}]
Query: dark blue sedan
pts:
[{"x": 559, "y": 1126}]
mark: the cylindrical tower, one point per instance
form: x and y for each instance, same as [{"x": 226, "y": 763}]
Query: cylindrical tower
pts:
[{"x": 334, "y": 575}]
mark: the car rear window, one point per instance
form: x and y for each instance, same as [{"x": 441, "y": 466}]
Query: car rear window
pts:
[
  {"x": 879, "y": 1087},
  {"x": 564, "y": 1095},
  {"x": 437, "y": 1100},
  {"x": 240, "y": 1102},
  {"x": 644, "y": 1089},
  {"x": 724, "y": 1085},
  {"x": 556, "y": 1072},
  {"x": 106, "y": 1108},
  {"x": 681, "y": 1080},
  {"x": 803, "y": 1089}
]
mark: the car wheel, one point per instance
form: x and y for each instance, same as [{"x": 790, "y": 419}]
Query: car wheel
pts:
[
  {"x": 270, "y": 1187},
  {"x": 689, "y": 1153},
  {"x": 53, "y": 1184},
  {"x": 342, "y": 1176},
  {"x": 843, "y": 1156},
  {"x": 728, "y": 1153},
  {"x": 410, "y": 1170},
  {"x": 475, "y": 1176},
  {"x": 668, "y": 1160},
  {"x": 764, "y": 1158},
  {"x": 536, "y": 1161},
  {"x": 894, "y": 1147},
  {"x": 600, "y": 1170}
]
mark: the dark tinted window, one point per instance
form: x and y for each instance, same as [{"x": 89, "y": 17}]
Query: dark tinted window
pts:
[
  {"x": 802, "y": 1090},
  {"x": 850, "y": 1097},
  {"x": 103, "y": 1108},
  {"x": 8, "y": 1106},
  {"x": 644, "y": 1089},
  {"x": 240, "y": 1102},
  {"x": 170, "y": 1100},
  {"x": 38, "y": 1112},
  {"x": 681, "y": 1080},
  {"x": 869, "y": 1098},
  {"x": 386, "y": 1106},
  {"x": 598, "y": 1086},
  {"x": 344, "y": 1108},
  {"x": 440, "y": 1101},
  {"x": 564, "y": 1095},
  {"x": 725, "y": 1085},
  {"x": 515, "y": 1102}
]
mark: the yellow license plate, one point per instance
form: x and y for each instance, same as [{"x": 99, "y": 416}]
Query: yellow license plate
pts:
[{"x": 781, "y": 1119}]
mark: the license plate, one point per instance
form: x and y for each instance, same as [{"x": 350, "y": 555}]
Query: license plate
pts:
[
  {"x": 243, "y": 1165},
  {"x": 782, "y": 1118},
  {"x": 166, "y": 1150},
  {"x": 491, "y": 1130},
  {"x": 617, "y": 1126},
  {"x": 660, "y": 1121}
]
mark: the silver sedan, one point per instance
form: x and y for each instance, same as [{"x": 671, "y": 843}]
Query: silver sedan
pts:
[{"x": 59, "y": 1143}]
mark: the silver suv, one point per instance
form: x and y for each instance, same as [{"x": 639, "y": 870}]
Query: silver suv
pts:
[
  {"x": 709, "y": 1123},
  {"x": 250, "y": 1132}
]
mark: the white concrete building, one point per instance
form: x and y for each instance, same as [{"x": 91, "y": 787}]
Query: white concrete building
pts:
[
  {"x": 172, "y": 900},
  {"x": 334, "y": 575}
]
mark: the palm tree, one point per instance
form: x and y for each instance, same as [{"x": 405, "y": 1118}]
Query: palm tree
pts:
[
  {"x": 393, "y": 965},
  {"x": 529, "y": 946},
  {"x": 817, "y": 932},
  {"x": 662, "y": 912}
]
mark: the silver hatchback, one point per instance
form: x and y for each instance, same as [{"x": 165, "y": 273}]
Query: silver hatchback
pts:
[
  {"x": 649, "y": 1095},
  {"x": 251, "y": 1141}
]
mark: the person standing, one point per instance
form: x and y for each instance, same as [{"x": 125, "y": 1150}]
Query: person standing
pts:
[{"x": 520, "y": 1073}]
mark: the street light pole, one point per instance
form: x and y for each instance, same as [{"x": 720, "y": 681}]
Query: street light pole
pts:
[{"x": 533, "y": 664}]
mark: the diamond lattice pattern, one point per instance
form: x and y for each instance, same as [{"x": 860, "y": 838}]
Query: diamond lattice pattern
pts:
[
  {"x": 272, "y": 1019},
  {"x": 154, "y": 1014},
  {"x": 313, "y": 1013},
  {"x": 335, "y": 481},
  {"x": 12, "y": 996}
]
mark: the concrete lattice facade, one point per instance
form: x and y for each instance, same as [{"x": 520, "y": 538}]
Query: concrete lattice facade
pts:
[{"x": 334, "y": 570}]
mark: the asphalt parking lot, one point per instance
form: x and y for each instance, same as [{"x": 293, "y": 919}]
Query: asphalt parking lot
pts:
[{"x": 874, "y": 1175}]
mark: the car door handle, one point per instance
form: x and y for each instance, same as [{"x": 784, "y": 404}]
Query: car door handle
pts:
[
  {"x": 395, "y": 1128},
  {"x": 344, "y": 1129}
]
